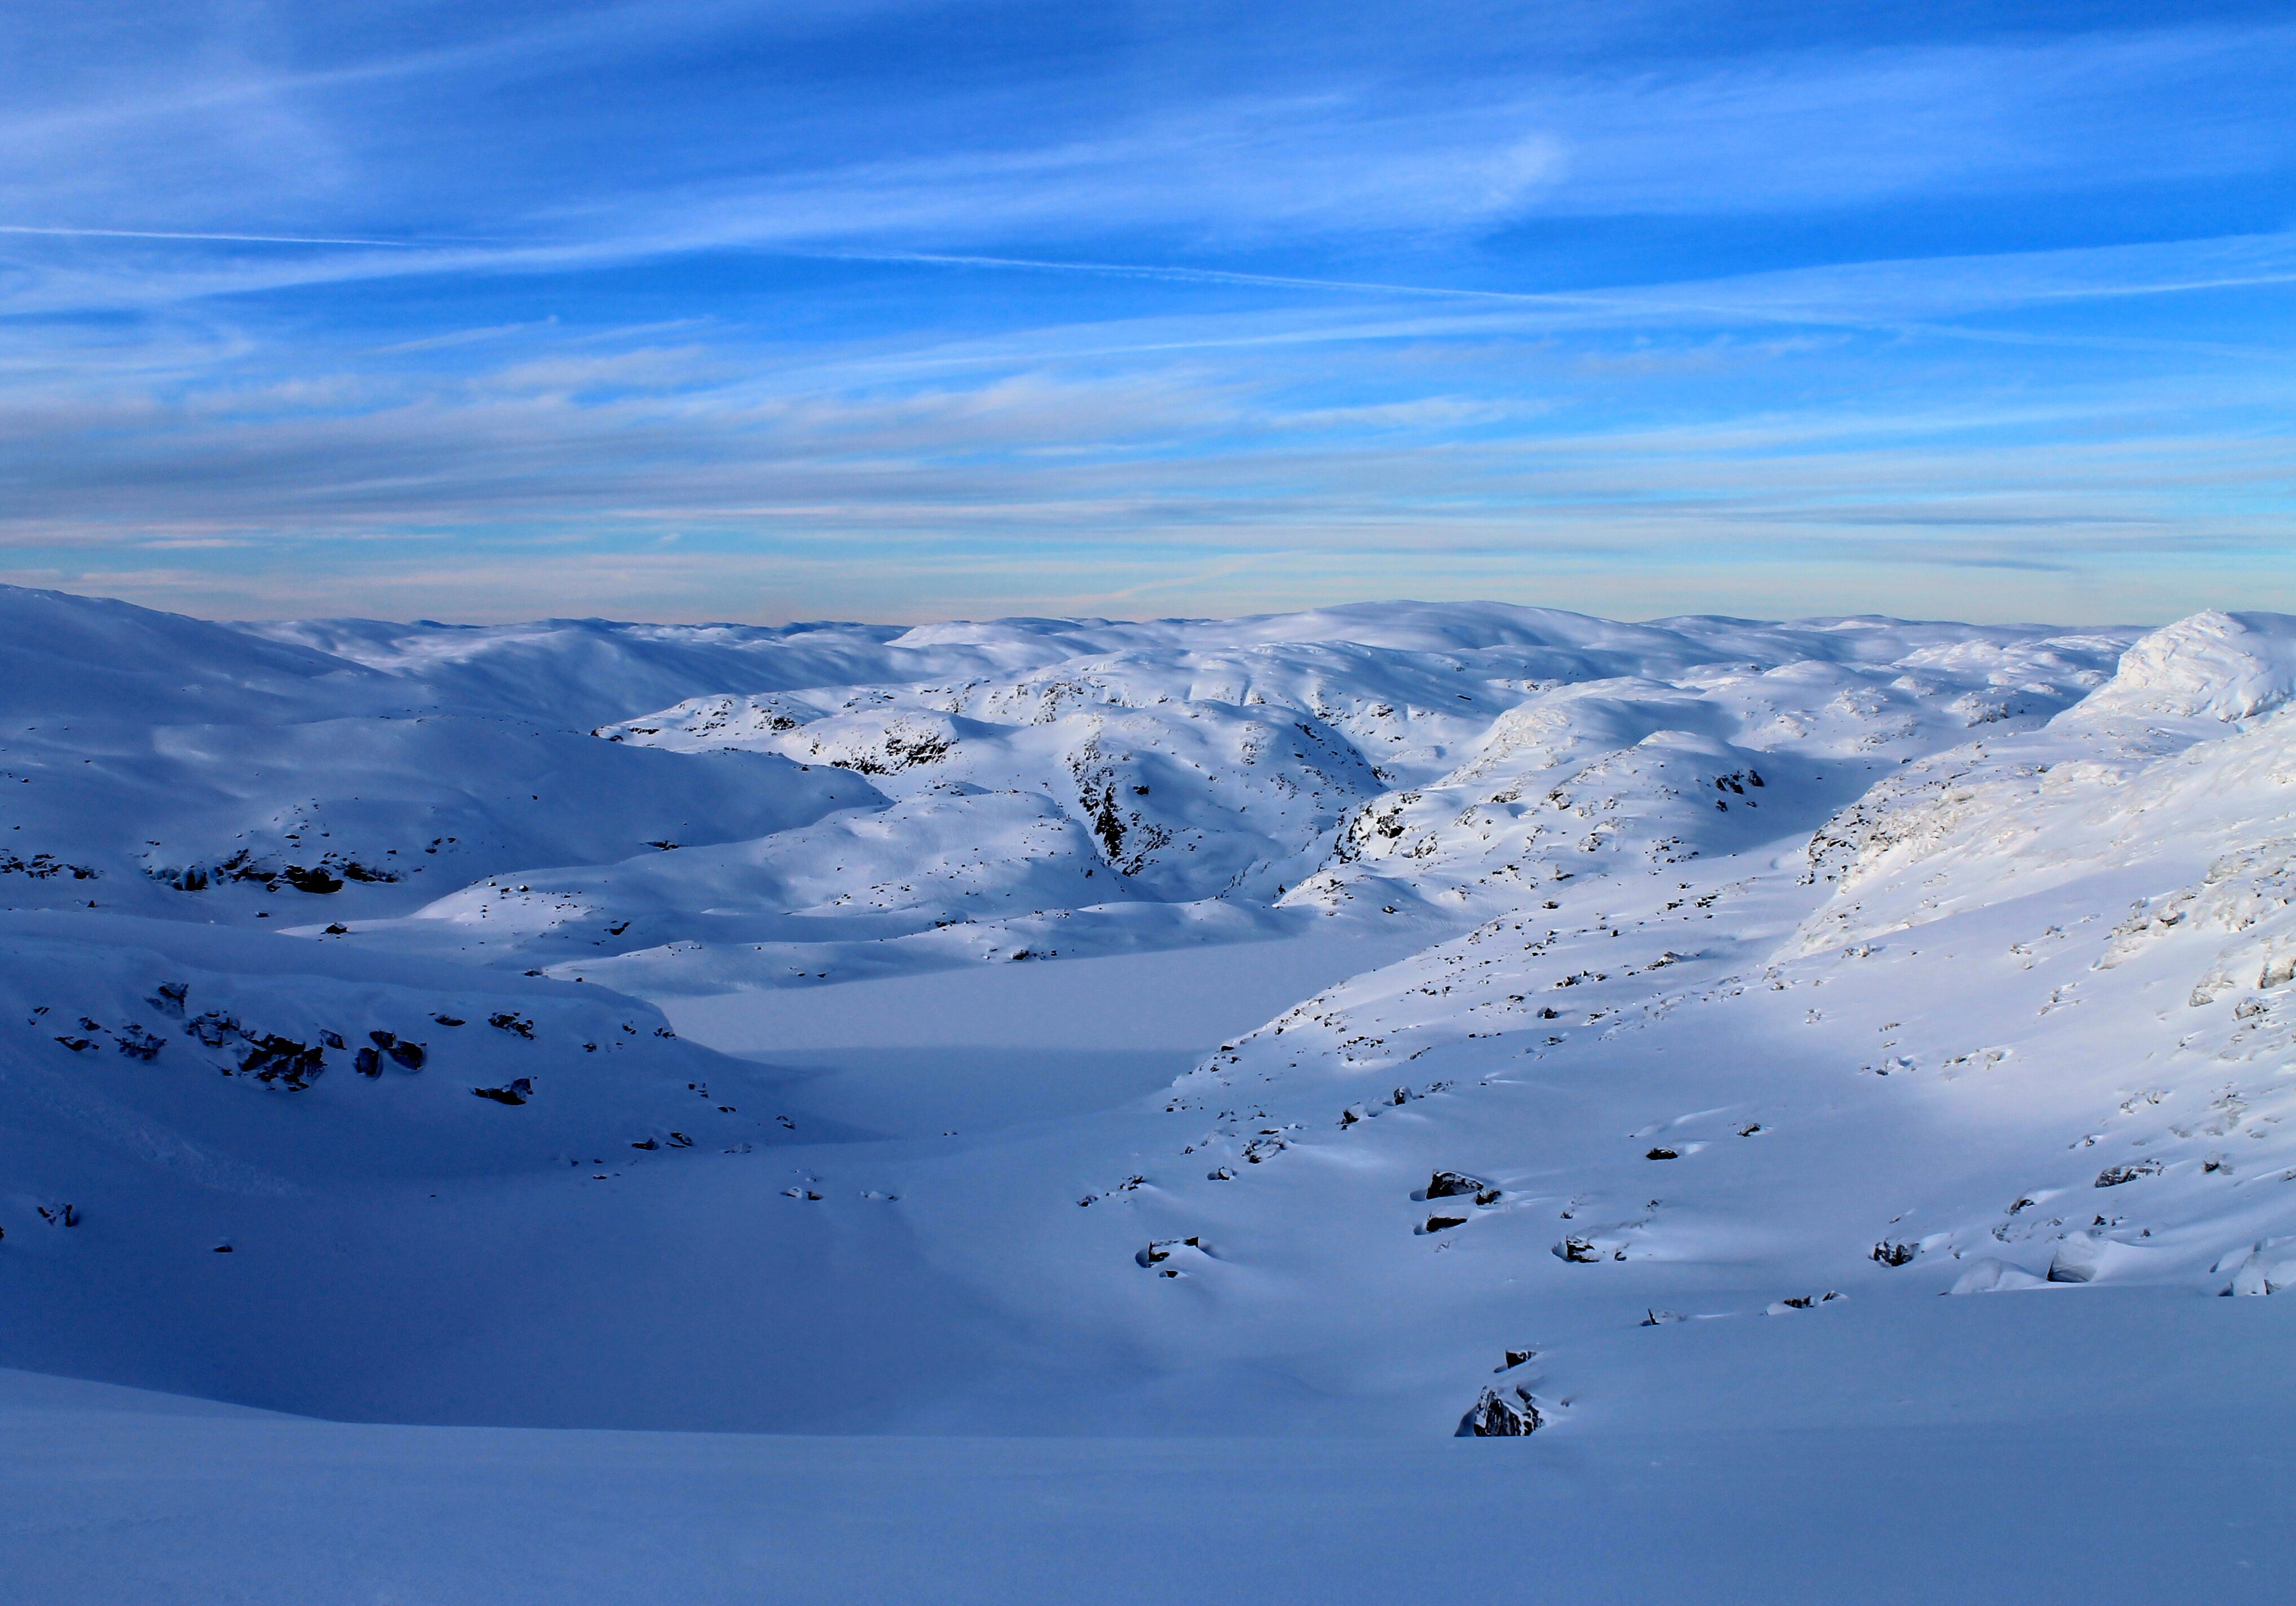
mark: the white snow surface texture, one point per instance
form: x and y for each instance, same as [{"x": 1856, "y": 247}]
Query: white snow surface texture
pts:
[{"x": 1377, "y": 1023}]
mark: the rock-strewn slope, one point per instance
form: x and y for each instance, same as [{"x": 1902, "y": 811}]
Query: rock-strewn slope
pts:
[{"x": 1752, "y": 968}]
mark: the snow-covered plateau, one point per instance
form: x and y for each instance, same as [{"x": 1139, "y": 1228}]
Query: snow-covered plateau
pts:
[{"x": 1087, "y": 1111}]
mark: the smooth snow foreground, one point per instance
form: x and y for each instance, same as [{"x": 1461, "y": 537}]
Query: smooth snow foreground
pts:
[{"x": 1159, "y": 1080}]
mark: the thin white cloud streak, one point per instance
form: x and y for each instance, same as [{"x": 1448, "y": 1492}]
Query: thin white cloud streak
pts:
[
  {"x": 25, "y": 228},
  {"x": 1818, "y": 128},
  {"x": 1177, "y": 275}
]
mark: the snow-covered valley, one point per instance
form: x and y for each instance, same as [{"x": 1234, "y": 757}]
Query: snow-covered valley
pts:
[{"x": 1375, "y": 1024}]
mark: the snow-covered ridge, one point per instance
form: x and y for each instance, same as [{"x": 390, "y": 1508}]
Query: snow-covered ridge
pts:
[{"x": 1605, "y": 972}]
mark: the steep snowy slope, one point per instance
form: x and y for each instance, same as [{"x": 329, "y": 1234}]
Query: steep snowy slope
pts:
[{"x": 1268, "y": 1025}]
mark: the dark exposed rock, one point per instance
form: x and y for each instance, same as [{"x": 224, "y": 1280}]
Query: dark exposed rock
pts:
[
  {"x": 1439, "y": 1224},
  {"x": 504, "y": 1020},
  {"x": 382, "y": 1039},
  {"x": 1895, "y": 1254},
  {"x": 167, "y": 998},
  {"x": 645, "y": 1144},
  {"x": 1663, "y": 1154},
  {"x": 273, "y": 1058},
  {"x": 331, "y": 1039},
  {"x": 1452, "y": 1184},
  {"x": 1512, "y": 1413},
  {"x": 79, "y": 1046},
  {"x": 367, "y": 1063},
  {"x": 313, "y": 879},
  {"x": 213, "y": 1029},
  {"x": 410, "y": 1055},
  {"x": 137, "y": 1043},
  {"x": 41, "y": 866},
  {"x": 1160, "y": 1250},
  {"x": 335, "y": 927},
  {"x": 1808, "y": 1301},
  {"x": 447, "y": 1019},
  {"x": 1516, "y": 1357},
  {"x": 520, "y": 1089},
  {"x": 1579, "y": 1251},
  {"x": 2112, "y": 1177}
]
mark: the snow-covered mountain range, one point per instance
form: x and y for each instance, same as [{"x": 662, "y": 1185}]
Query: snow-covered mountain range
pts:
[{"x": 1380, "y": 1020}]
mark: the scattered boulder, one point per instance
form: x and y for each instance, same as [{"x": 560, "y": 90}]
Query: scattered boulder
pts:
[
  {"x": 1663, "y": 1154},
  {"x": 367, "y": 1063},
  {"x": 1803, "y": 1302},
  {"x": 1160, "y": 1250},
  {"x": 1452, "y": 1184},
  {"x": 2112, "y": 1177},
  {"x": 169, "y": 998},
  {"x": 1443, "y": 1224},
  {"x": 1497, "y": 1415},
  {"x": 518, "y": 1092},
  {"x": 410, "y": 1055},
  {"x": 1658, "y": 1318},
  {"x": 1577, "y": 1251},
  {"x": 212, "y": 1029},
  {"x": 517, "y": 1025},
  {"x": 273, "y": 1058},
  {"x": 1894, "y": 1254}
]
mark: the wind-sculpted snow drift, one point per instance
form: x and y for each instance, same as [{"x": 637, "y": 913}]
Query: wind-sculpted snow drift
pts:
[{"x": 1391, "y": 1017}]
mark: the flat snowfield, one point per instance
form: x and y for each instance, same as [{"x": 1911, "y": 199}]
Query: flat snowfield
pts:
[
  {"x": 1076, "y": 1109},
  {"x": 113, "y": 1494}
]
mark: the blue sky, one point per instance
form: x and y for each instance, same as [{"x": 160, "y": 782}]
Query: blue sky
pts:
[{"x": 905, "y": 311}]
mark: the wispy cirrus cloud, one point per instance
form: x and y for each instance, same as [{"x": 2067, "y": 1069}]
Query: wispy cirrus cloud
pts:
[{"x": 983, "y": 302}]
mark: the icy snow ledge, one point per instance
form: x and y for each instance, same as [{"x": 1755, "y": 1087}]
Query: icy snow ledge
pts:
[
  {"x": 2214, "y": 665},
  {"x": 2269, "y": 1268}
]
